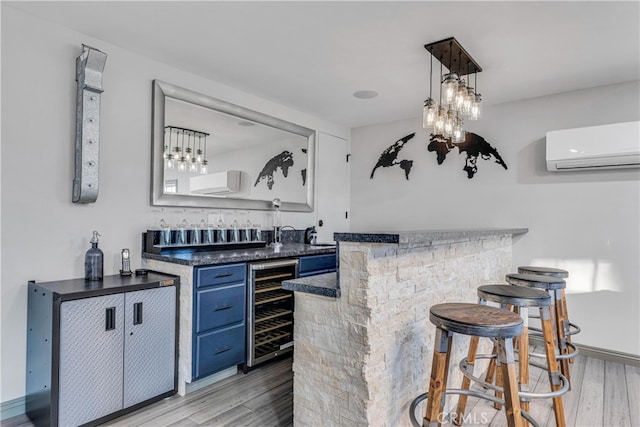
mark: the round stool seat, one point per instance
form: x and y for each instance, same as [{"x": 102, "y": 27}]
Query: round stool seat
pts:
[
  {"x": 520, "y": 296},
  {"x": 477, "y": 320},
  {"x": 536, "y": 281},
  {"x": 544, "y": 271}
]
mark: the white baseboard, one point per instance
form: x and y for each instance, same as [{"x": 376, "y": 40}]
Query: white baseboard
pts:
[
  {"x": 12, "y": 408},
  {"x": 219, "y": 376},
  {"x": 599, "y": 353}
]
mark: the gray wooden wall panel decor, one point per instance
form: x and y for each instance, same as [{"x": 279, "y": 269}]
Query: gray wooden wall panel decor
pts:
[{"x": 89, "y": 68}]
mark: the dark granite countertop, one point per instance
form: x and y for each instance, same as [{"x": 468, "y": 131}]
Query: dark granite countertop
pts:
[
  {"x": 113, "y": 284},
  {"x": 288, "y": 250},
  {"x": 322, "y": 284},
  {"x": 424, "y": 236}
]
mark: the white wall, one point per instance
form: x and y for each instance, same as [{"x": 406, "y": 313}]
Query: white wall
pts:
[
  {"x": 44, "y": 235},
  {"x": 586, "y": 222}
]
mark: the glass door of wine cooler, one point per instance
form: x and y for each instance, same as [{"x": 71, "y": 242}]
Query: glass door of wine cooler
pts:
[{"x": 269, "y": 310}]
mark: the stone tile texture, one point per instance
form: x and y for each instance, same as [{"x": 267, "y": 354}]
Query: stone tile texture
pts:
[{"x": 362, "y": 358}]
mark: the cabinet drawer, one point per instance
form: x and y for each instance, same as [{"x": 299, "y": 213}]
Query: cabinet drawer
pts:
[
  {"x": 209, "y": 276},
  {"x": 219, "y": 306},
  {"x": 219, "y": 350},
  {"x": 317, "y": 263}
]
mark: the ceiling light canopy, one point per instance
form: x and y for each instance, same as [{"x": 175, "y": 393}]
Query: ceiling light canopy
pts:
[{"x": 458, "y": 99}]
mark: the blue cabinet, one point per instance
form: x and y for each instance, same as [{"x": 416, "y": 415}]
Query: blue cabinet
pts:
[
  {"x": 220, "y": 275},
  {"x": 219, "y": 339},
  {"x": 218, "y": 318},
  {"x": 219, "y": 349},
  {"x": 316, "y": 264},
  {"x": 219, "y": 306}
]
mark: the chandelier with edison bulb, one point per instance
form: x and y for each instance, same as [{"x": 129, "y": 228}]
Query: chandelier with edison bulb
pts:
[
  {"x": 458, "y": 100},
  {"x": 185, "y": 150}
]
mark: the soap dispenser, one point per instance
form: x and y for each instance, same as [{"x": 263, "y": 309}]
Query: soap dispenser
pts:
[{"x": 94, "y": 260}]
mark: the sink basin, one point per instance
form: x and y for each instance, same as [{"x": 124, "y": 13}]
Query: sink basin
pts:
[{"x": 324, "y": 245}]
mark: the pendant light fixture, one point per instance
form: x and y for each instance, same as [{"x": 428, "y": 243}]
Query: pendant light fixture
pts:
[
  {"x": 458, "y": 99},
  {"x": 204, "y": 168},
  {"x": 192, "y": 164},
  {"x": 476, "y": 105},
  {"x": 181, "y": 161},
  {"x": 430, "y": 110},
  {"x": 181, "y": 153},
  {"x": 438, "y": 128}
]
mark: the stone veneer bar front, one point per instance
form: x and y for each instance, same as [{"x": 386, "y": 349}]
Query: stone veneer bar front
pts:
[{"x": 362, "y": 355}]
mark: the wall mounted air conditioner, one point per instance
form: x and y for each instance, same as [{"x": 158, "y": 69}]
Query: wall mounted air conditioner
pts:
[
  {"x": 615, "y": 146},
  {"x": 215, "y": 183}
]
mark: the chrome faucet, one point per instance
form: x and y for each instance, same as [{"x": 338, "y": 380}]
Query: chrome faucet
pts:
[{"x": 277, "y": 227}]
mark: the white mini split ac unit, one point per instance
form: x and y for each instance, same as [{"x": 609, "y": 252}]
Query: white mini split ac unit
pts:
[
  {"x": 615, "y": 146},
  {"x": 215, "y": 183}
]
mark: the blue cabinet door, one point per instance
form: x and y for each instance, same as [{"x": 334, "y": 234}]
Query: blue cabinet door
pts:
[
  {"x": 219, "y": 306},
  {"x": 220, "y": 275},
  {"x": 219, "y": 350},
  {"x": 316, "y": 264}
]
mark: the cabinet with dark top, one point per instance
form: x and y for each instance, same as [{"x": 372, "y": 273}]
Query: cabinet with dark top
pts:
[
  {"x": 218, "y": 318},
  {"x": 312, "y": 265},
  {"x": 96, "y": 350}
]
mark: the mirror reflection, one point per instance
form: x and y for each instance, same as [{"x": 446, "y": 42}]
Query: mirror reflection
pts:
[{"x": 215, "y": 154}]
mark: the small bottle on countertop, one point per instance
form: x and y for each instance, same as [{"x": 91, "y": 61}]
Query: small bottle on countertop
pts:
[{"x": 94, "y": 260}]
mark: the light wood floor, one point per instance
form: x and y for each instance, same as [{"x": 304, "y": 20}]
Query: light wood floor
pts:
[{"x": 603, "y": 394}]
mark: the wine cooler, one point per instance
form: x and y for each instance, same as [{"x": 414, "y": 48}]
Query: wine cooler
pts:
[{"x": 269, "y": 310}]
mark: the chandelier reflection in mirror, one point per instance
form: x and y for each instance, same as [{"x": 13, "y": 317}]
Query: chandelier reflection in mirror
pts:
[
  {"x": 185, "y": 150},
  {"x": 457, "y": 98}
]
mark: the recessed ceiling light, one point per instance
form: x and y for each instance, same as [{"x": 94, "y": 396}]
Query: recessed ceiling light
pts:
[
  {"x": 365, "y": 94},
  {"x": 246, "y": 123}
]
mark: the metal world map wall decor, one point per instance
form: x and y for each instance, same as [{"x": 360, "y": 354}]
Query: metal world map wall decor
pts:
[
  {"x": 389, "y": 157},
  {"x": 282, "y": 161},
  {"x": 474, "y": 146}
]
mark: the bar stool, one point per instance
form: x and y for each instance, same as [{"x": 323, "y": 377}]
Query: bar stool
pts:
[
  {"x": 569, "y": 328},
  {"x": 553, "y": 286},
  {"x": 521, "y": 299},
  {"x": 474, "y": 320}
]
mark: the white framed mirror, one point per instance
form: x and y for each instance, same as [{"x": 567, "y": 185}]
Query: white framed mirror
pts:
[{"x": 209, "y": 153}]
